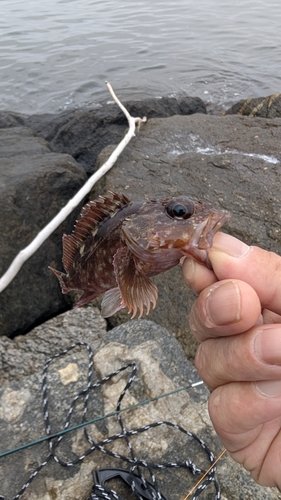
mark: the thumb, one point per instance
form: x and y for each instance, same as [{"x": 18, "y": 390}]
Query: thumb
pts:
[{"x": 231, "y": 258}]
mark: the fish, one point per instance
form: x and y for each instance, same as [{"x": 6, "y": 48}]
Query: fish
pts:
[{"x": 117, "y": 245}]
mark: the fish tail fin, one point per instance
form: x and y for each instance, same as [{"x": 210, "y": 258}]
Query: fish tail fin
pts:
[{"x": 61, "y": 277}]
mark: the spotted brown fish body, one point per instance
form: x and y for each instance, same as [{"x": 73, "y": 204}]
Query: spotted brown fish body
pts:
[{"x": 117, "y": 245}]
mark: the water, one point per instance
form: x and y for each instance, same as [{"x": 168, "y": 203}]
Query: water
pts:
[{"x": 56, "y": 54}]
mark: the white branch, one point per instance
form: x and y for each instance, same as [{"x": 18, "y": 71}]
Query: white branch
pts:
[{"x": 65, "y": 211}]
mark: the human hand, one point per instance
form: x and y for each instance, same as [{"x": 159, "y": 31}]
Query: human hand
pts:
[{"x": 237, "y": 318}]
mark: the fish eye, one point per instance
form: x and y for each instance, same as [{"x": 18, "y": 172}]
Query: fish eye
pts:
[{"x": 179, "y": 211}]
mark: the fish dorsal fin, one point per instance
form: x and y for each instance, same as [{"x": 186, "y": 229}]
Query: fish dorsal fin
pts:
[{"x": 92, "y": 215}]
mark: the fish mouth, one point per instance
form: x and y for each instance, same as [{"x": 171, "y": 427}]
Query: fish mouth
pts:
[{"x": 202, "y": 238}]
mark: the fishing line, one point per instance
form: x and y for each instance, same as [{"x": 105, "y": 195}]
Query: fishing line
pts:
[
  {"x": 205, "y": 474},
  {"x": 99, "y": 418}
]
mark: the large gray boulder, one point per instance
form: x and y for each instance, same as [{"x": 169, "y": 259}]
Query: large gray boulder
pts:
[
  {"x": 230, "y": 161},
  {"x": 161, "y": 368},
  {"x": 35, "y": 184}
]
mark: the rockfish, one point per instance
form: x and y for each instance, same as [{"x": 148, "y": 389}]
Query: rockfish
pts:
[{"x": 117, "y": 245}]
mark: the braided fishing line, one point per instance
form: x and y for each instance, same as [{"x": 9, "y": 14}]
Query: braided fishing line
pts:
[{"x": 99, "y": 491}]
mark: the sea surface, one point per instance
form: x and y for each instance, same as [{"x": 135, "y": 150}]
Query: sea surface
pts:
[{"x": 57, "y": 54}]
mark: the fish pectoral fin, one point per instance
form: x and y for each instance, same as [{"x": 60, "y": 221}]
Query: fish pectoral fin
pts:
[
  {"x": 112, "y": 302},
  {"x": 137, "y": 290}
]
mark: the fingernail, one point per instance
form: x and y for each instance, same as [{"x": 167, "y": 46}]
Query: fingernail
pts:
[
  {"x": 223, "y": 304},
  {"x": 267, "y": 345},
  {"x": 228, "y": 244},
  {"x": 269, "y": 388}
]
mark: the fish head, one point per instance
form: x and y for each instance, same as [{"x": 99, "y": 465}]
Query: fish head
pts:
[{"x": 173, "y": 227}]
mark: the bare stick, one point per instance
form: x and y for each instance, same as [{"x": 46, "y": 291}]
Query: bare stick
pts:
[{"x": 67, "y": 209}]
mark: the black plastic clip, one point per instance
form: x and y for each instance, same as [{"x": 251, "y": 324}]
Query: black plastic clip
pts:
[{"x": 103, "y": 475}]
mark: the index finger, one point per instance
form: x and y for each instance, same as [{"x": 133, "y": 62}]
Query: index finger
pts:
[{"x": 197, "y": 276}]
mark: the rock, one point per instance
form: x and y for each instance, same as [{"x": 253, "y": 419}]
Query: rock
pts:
[
  {"x": 21, "y": 141},
  {"x": 264, "y": 107},
  {"x": 35, "y": 184},
  {"x": 161, "y": 368},
  {"x": 11, "y": 119},
  {"x": 232, "y": 162},
  {"x": 83, "y": 133},
  {"x": 46, "y": 340}
]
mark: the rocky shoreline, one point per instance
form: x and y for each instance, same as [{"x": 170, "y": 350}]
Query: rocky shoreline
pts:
[{"x": 232, "y": 161}]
